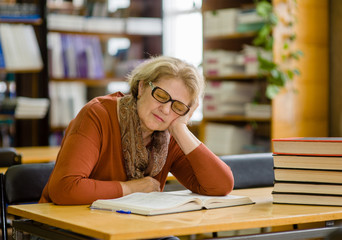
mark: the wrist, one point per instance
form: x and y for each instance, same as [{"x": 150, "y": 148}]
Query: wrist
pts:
[
  {"x": 125, "y": 189},
  {"x": 177, "y": 129}
]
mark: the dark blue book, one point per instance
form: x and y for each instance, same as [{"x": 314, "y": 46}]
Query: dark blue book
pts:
[{"x": 2, "y": 58}]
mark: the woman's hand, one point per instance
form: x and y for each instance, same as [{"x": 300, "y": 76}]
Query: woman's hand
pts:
[
  {"x": 146, "y": 184},
  {"x": 183, "y": 120}
]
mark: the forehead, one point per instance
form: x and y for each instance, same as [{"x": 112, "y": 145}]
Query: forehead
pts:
[{"x": 176, "y": 88}]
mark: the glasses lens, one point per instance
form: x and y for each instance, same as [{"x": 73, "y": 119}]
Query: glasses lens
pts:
[
  {"x": 179, "y": 107},
  {"x": 160, "y": 95}
]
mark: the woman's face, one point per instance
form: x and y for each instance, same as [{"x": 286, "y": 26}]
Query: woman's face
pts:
[{"x": 156, "y": 116}]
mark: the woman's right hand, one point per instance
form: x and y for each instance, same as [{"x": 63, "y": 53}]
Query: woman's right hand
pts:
[{"x": 146, "y": 184}]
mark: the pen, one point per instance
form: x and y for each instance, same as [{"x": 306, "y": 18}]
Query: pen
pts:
[{"x": 123, "y": 211}]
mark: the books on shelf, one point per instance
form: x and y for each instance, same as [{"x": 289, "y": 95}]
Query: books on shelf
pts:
[
  {"x": 67, "y": 99},
  {"x": 155, "y": 203},
  {"x": 227, "y": 21},
  {"x": 19, "y": 12},
  {"x": 31, "y": 108},
  {"x": 75, "y": 56},
  {"x": 227, "y": 98},
  {"x": 225, "y": 139},
  {"x": 20, "y": 55},
  {"x": 220, "y": 22},
  {"x": 328, "y": 146},
  {"x": 257, "y": 110},
  {"x": 221, "y": 62},
  {"x": 144, "y": 26},
  {"x": 248, "y": 20},
  {"x": 2, "y": 57},
  {"x": 96, "y": 24},
  {"x": 308, "y": 171}
]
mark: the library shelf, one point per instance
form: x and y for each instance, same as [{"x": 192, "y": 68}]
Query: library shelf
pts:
[
  {"x": 241, "y": 76},
  {"x": 102, "y": 35},
  {"x": 226, "y": 42},
  {"x": 89, "y": 82},
  {"x": 36, "y": 70},
  {"x": 236, "y": 118},
  {"x": 35, "y": 22},
  {"x": 230, "y": 36}
]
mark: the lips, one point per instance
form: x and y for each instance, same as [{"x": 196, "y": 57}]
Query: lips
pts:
[{"x": 159, "y": 118}]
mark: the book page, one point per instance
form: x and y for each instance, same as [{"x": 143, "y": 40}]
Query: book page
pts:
[
  {"x": 215, "y": 201},
  {"x": 153, "y": 201}
]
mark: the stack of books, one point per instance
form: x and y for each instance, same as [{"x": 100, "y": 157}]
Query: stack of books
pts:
[
  {"x": 224, "y": 98},
  {"x": 308, "y": 171}
]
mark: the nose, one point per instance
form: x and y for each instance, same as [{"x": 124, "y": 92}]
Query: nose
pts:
[{"x": 166, "y": 108}]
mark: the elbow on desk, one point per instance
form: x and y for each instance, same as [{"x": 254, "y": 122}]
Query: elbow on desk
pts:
[
  {"x": 226, "y": 186},
  {"x": 222, "y": 188},
  {"x": 63, "y": 193}
]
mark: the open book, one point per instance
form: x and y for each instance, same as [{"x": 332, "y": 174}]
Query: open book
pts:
[{"x": 155, "y": 203}]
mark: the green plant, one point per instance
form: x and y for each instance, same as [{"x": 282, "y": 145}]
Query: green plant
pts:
[{"x": 276, "y": 76}]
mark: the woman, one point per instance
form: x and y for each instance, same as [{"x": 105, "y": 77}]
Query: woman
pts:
[{"x": 120, "y": 144}]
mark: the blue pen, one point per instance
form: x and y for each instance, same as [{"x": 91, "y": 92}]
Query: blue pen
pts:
[{"x": 123, "y": 211}]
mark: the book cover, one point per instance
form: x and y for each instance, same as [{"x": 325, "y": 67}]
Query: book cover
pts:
[
  {"x": 307, "y": 175},
  {"x": 308, "y": 188},
  {"x": 155, "y": 203},
  {"x": 307, "y": 199},
  {"x": 308, "y": 162},
  {"x": 321, "y": 146}
]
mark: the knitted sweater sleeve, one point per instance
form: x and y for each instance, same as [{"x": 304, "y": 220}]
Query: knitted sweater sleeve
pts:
[{"x": 201, "y": 171}]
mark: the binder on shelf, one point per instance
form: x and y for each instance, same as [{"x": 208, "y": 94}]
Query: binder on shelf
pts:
[{"x": 20, "y": 55}]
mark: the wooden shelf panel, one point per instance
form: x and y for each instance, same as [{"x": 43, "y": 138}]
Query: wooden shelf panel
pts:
[
  {"x": 105, "y": 36},
  {"x": 4, "y": 70},
  {"x": 234, "y": 77},
  {"x": 61, "y": 6},
  {"x": 90, "y": 82},
  {"x": 208, "y": 5},
  {"x": 235, "y": 118},
  {"x": 231, "y": 36},
  {"x": 35, "y": 22}
]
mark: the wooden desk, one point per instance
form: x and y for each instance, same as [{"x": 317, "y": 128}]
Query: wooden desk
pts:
[
  {"x": 36, "y": 155},
  {"x": 112, "y": 225}
]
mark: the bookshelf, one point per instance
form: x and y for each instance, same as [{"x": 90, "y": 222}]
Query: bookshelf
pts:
[
  {"x": 218, "y": 47},
  {"x": 141, "y": 45},
  {"x": 305, "y": 112},
  {"x": 29, "y": 82}
]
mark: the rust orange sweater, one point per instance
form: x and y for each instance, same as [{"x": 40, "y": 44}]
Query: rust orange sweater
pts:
[{"x": 90, "y": 164}]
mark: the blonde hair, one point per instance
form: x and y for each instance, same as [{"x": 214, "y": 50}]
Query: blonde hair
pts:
[{"x": 159, "y": 67}]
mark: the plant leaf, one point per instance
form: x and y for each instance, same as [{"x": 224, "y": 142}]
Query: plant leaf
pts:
[{"x": 272, "y": 91}]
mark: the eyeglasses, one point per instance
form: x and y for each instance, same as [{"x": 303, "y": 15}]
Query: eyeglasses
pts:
[{"x": 162, "y": 96}]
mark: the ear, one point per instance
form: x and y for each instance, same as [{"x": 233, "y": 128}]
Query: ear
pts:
[{"x": 140, "y": 89}]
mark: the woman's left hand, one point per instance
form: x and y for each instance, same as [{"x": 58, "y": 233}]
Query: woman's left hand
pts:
[{"x": 182, "y": 121}]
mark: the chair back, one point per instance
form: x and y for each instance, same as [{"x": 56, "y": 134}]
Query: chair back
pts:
[
  {"x": 251, "y": 170},
  {"x": 24, "y": 183},
  {"x": 9, "y": 157}
]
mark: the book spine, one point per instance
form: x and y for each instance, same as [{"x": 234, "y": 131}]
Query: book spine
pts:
[
  {"x": 308, "y": 183},
  {"x": 2, "y": 58}
]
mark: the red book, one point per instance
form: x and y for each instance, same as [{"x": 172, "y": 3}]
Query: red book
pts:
[{"x": 320, "y": 146}]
